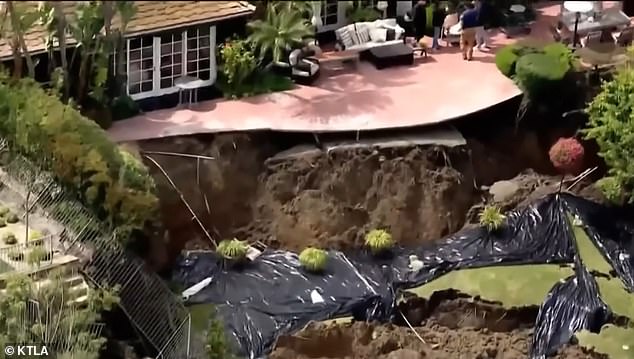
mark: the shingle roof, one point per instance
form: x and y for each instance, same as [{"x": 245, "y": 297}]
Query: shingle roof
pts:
[{"x": 151, "y": 16}]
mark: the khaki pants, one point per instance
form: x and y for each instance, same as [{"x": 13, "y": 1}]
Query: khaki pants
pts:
[{"x": 467, "y": 42}]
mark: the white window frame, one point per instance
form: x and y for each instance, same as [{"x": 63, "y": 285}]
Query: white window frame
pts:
[
  {"x": 341, "y": 16},
  {"x": 156, "y": 78}
]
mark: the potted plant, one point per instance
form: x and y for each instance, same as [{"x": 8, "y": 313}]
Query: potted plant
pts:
[
  {"x": 492, "y": 219},
  {"x": 313, "y": 259},
  {"x": 233, "y": 251},
  {"x": 12, "y": 218},
  {"x": 379, "y": 242}
]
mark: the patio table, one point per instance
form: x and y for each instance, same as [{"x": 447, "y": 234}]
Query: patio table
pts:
[
  {"x": 188, "y": 86},
  {"x": 611, "y": 18}
]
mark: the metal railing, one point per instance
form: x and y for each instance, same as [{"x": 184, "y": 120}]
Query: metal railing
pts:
[
  {"x": 24, "y": 257},
  {"x": 157, "y": 313}
]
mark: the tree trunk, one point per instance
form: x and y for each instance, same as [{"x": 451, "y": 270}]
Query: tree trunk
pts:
[
  {"x": 61, "y": 37},
  {"x": 83, "y": 76},
  {"x": 18, "y": 31},
  {"x": 17, "y": 59}
]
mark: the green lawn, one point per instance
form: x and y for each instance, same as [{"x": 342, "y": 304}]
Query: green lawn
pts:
[{"x": 515, "y": 286}]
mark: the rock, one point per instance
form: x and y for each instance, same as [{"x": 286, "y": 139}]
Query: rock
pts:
[
  {"x": 503, "y": 190},
  {"x": 405, "y": 354}
]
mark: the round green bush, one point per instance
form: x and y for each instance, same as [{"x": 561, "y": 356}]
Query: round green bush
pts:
[
  {"x": 9, "y": 238},
  {"x": 16, "y": 256},
  {"x": 232, "y": 249},
  {"x": 313, "y": 259},
  {"x": 4, "y": 211},
  {"x": 12, "y": 218},
  {"x": 506, "y": 58},
  {"x": 540, "y": 75},
  {"x": 379, "y": 241},
  {"x": 561, "y": 52},
  {"x": 3, "y": 223}
]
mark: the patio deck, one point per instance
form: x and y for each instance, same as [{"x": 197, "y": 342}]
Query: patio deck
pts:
[{"x": 437, "y": 89}]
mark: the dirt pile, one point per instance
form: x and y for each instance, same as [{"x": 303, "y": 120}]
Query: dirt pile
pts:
[
  {"x": 325, "y": 199},
  {"x": 451, "y": 328}
]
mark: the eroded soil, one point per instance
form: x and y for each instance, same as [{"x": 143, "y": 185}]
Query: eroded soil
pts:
[{"x": 450, "y": 327}]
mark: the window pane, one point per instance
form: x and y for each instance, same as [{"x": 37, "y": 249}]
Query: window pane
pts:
[
  {"x": 166, "y": 60},
  {"x": 135, "y": 43},
  {"x": 166, "y": 83},
  {"x": 203, "y": 30},
  {"x": 192, "y": 66},
  {"x": 192, "y": 43},
  {"x": 192, "y": 55},
  {"x": 176, "y": 69},
  {"x": 135, "y": 88},
  {"x": 135, "y": 55},
  {"x": 178, "y": 46},
  {"x": 204, "y": 75},
  {"x": 146, "y": 86},
  {"x": 147, "y": 75},
  {"x": 178, "y": 58},
  {"x": 203, "y": 53},
  {"x": 147, "y": 64},
  {"x": 147, "y": 40},
  {"x": 203, "y": 64},
  {"x": 166, "y": 49},
  {"x": 204, "y": 42},
  {"x": 148, "y": 52},
  {"x": 166, "y": 72}
]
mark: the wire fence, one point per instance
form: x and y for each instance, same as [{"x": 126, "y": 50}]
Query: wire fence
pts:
[{"x": 157, "y": 313}]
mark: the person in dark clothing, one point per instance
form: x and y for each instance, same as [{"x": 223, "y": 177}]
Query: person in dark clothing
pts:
[
  {"x": 420, "y": 19},
  {"x": 438, "y": 19},
  {"x": 469, "y": 24},
  {"x": 484, "y": 22}
]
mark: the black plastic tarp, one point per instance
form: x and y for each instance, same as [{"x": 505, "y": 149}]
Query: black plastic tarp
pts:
[{"x": 272, "y": 296}]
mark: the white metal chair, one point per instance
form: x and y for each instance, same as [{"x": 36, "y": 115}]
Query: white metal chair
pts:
[{"x": 303, "y": 70}]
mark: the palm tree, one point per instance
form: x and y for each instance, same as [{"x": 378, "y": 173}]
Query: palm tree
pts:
[{"x": 282, "y": 29}]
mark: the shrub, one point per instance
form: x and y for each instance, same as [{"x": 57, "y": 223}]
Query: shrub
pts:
[
  {"x": 491, "y": 218},
  {"x": 238, "y": 64},
  {"x": 3, "y": 222},
  {"x": 115, "y": 185},
  {"x": 506, "y": 58},
  {"x": 610, "y": 125},
  {"x": 362, "y": 14},
  {"x": 232, "y": 249},
  {"x": 38, "y": 254},
  {"x": 216, "y": 345},
  {"x": 611, "y": 189},
  {"x": 539, "y": 75},
  {"x": 12, "y": 218},
  {"x": 35, "y": 238},
  {"x": 562, "y": 52},
  {"x": 4, "y": 211},
  {"x": 124, "y": 107},
  {"x": 566, "y": 155},
  {"x": 313, "y": 259},
  {"x": 379, "y": 240},
  {"x": 16, "y": 256},
  {"x": 9, "y": 238}
]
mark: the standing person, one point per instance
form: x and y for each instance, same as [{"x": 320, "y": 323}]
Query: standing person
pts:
[
  {"x": 438, "y": 19},
  {"x": 420, "y": 19},
  {"x": 469, "y": 23},
  {"x": 484, "y": 22}
]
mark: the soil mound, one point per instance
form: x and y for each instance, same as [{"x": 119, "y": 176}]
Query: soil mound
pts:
[{"x": 452, "y": 326}]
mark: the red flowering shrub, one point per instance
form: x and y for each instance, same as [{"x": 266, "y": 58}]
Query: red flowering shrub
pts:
[{"x": 566, "y": 155}]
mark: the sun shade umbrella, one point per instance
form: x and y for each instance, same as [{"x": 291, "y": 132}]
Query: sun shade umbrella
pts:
[{"x": 578, "y": 7}]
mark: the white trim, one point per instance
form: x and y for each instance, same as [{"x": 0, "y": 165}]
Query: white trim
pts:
[{"x": 156, "y": 57}]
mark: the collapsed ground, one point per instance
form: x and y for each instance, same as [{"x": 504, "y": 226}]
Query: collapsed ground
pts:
[{"x": 330, "y": 199}]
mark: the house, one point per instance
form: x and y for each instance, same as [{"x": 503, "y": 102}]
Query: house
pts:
[
  {"x": 164, "y": 41},
  {"x": 333, "y": 12}
]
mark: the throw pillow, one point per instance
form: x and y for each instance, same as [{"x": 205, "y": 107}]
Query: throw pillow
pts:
[
  {"x": 345, "y": 37},
  {"x": 363, "y": 33},
  {"x": 378, "y": 35},
  {"x": 391, "y": 35}
]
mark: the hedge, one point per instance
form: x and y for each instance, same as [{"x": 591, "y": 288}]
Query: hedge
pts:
[
  {"x": 507, "y": 57},
  {"x": 105, "y": 178}
]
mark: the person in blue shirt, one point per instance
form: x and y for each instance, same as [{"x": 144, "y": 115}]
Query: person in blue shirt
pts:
[
  {"x": 469, "y": 21},
  {"x": 484, "y": 20}
]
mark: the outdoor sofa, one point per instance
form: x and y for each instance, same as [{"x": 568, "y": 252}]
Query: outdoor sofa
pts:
[{"x": 362, "y": 36}]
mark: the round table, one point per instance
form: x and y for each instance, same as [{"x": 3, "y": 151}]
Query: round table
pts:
[{"x": 579, "y": 6}]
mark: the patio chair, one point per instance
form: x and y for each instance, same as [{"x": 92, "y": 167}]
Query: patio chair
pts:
[
  {"x": 625, "y": 37},
  {"x": 303, "y": 70},
  {"x": 593, "y": 38},
  {"x": 449, "y": 31}
]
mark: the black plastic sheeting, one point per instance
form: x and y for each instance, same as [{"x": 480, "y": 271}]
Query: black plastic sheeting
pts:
[{"x": 272, "y": 296}]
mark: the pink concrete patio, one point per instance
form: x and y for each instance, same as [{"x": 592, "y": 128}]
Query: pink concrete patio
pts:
[{"x": 435, "y": 90}]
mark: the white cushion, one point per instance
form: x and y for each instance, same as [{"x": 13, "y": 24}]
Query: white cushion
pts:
[
  {"x": 372, "y": 44},
  {"x": 363, "y": 31},
  {"x": 378, "y": 35},
  {"x": 345, "y": 36}
]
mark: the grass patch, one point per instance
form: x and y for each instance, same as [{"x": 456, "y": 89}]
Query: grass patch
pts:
[
  {"x": 617, "y": 343},
  {"x": 261, "y": 82},
  {"x": 201, "y": 314}
]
